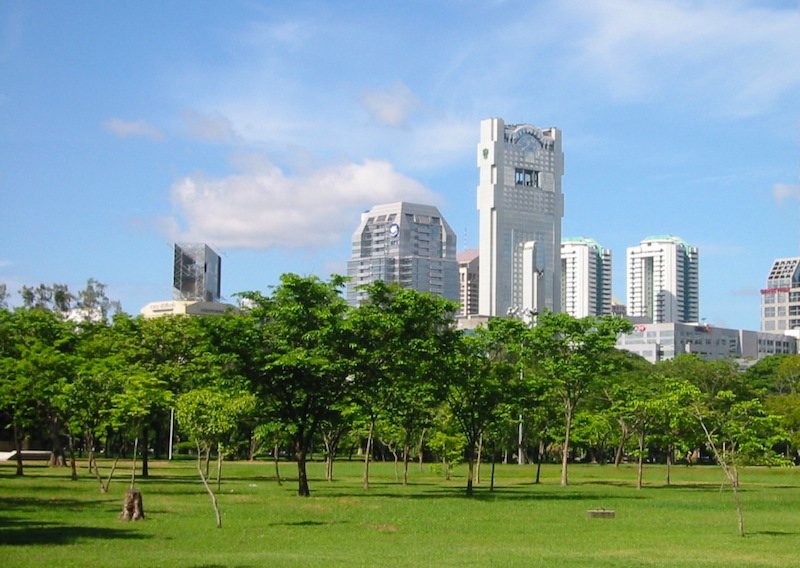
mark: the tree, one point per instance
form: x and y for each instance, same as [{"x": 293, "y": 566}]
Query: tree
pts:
[
  {"x": 302, "y": 374},
  {"x": 400, "y": 340},
  {"x": 207, "y": 416},
  {"x": 573, "y": 355},
  {"x": 737, "y": 432},
  {"x": 482, "y": 380}
]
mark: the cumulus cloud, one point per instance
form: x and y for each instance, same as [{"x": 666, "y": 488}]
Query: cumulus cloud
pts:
[
  {"x": 209, "y": 127},
  {"x": 127, "y": 128},
  {"x": 392, "y": 106},
  {"x": 784, "y": 191},
  {"x": 263, "y": 207}
]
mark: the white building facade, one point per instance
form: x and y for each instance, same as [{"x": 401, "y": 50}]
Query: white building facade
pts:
[
  {"x": 585, "y": 278},
  {"x": 468, "y": 281},
  {"x": 520, "y": 206},
  {"x": 662, "y": 341},
  {"x": 663, "y": 282},
  {"x": 780, "y": 300},
  {"x": 406, "y": 243}
]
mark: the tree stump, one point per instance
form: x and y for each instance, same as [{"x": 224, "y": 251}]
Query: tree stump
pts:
[{"x": 132, "y": 509}]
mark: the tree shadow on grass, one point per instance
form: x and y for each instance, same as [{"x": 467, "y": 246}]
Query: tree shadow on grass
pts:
[
  {"x": 21, "y": 533},
  {"x": 481, "y": 494},
  {"x": 774, "y": 533},
  {"x": 307, "y": 523}
]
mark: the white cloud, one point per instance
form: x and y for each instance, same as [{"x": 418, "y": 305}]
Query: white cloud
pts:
[
  {"x": 391, "y": 107},
  {"x": 126, "y": 128},
  {"x": 209, "y": 127},
  {"x": 730, "y": 53},
  {"x": 783, "y": 191},
  {"x": 262, "y": 207}
]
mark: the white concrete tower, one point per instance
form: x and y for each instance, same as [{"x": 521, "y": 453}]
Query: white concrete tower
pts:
[
  {"x": 519, "y": 202},
  {"x": 663, "y": 282},
  {"x": 585, "y": 278}
]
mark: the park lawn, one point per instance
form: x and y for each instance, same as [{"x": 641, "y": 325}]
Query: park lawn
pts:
[{"x": 46, "y": 519}]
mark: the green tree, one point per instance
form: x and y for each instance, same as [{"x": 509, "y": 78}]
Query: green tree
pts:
[
  {"x": 303, "y": 373},
  {"x": 573, "y": 356},
  {"x": 208, "y": 416},
  {"x": 737, "y": 432},
  {"x": 400, "y": 340},
  {"x": 483, "y": 378}
]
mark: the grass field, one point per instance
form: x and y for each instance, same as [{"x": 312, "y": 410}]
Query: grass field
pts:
[{"x": 48, "y": 520}]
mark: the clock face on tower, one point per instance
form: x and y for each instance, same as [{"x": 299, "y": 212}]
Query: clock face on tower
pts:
[
  {"x": 394, "y": 229},
  {"x": 527, "y": 142}
]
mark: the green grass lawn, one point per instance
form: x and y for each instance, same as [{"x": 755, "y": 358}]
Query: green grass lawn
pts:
[{"x": 46, "y": 519}]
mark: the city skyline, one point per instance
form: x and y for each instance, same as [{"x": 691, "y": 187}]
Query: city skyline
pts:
[{"x": 266, "y": 130}]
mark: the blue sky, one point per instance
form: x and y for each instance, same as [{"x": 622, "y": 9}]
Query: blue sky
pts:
[{"x": 266, "y": 128}]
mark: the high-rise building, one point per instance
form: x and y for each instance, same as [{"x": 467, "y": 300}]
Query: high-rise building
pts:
[
  {"x": 585, "y": 278},
  {"x": 406, "y": 243},
  {"x": 197, "y": 272},
  {"x": 780, "y": 300},
  {"x": 468, "y": 275},
  {"x": 663, "y": 284},
  {"x": 520, "y": 206}
]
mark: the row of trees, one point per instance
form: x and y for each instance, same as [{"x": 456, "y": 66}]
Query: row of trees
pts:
[{"x": 298, "y": 368}]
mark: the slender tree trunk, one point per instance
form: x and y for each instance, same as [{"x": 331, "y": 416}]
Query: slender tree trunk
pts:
[
  {"x": 276, "y": 456},
  {"x": 406, "y": 459},
  {"x": 420, "y": 448},
  {"x": 57, "y": 457},
  {"x": 219, "y": 466},
  {"x": 204, "y": 479},
  {"x": 731, "y": 472},
  {"x": 540, "y": 453},
  {"x": 133, "y": 467},
  {"x": 491, "y": 483},
  {"x": 18, "y": 446},
  {"x": 368, "y": 453},
  {"x": 670, "y": 452},
  {"x": 73, "y": 466},
  {"x": 470, "y": 473},
  {"x": 640, "y": 468},
  {"x": 565, "y": 449},
  {"x": 478, "y": 461},
  {"x": 146, "y": 452},
  {"x": 623, "y": 438}
]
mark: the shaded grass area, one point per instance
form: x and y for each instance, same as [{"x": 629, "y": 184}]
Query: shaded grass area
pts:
[{"x": 46, "y": 518}]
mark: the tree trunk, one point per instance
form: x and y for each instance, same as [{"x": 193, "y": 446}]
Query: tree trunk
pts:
[
  {"x": 623, "y": 437},
  {"x": 406, "y": 459},
  {"x": 478, "y": 461},
  {"x": 219, "y": 466},
  {"x": 276, "y": 456},
  {"x": 539, "y": 460},
  {"x": 470, "y": 473},
  {"x": 57, "y": 457},
  {"x": 133, "y": 467},
  {"x": 145, "y": 452},
  {"x": 72, "y": 464},
  {"x": 565, "y": 449},
  {"x": 204, "y": 479},
  {"x": 670, "y": 452},
  {"x": 368, "y": 453},
  {"x": 419, "y": 449},
  {"x": 640, "y": 468},
  {"x": 18, "y": 446},
  {"x": 491, "y": 483},
  {"x": 302, "y": 476}
]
